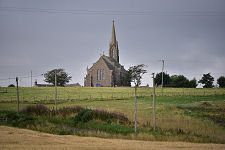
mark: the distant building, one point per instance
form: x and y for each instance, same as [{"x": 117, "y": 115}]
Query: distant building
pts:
[
  {"x": 51, "y": 85},
  {"x": 107, "y": 71},
  {"x": 73, "y": 85},
  {"x": 42, "y": 85}
]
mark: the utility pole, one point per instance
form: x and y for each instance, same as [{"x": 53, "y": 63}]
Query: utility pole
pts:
[
  {"x": 31, "y": 78},
  {"x": 135, "y": 111},
  {"x": 55, "y": 91},
  {"x": 162, "y": 75},
  {"x": 154, "y": 113},
  {"x": 18, "y": 102}
]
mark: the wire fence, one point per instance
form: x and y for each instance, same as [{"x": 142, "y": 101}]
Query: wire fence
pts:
[{"x": 38, "y": 96}]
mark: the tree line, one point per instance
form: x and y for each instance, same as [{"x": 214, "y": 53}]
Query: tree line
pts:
[
  {"x": 180, "y": 81},
  {"x": 176, "y": 81}
]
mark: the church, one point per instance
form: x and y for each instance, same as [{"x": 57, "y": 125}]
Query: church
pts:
[{"x": 107, "y": 71}]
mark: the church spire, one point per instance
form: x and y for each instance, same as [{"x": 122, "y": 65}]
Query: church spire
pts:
[
  {"x": 113, "y": 37},
  {"x": 113, "y": 45}
]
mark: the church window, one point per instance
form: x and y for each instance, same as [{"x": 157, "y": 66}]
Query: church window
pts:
[
  {"x": 103, "y": 76},
  {"x": 113, "y": 53},
  {"x": 97, "y": 74},
  {"x": 100, "y": 78}
]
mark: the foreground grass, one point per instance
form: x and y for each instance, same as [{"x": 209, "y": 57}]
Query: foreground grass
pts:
[
  {"x": 22, "y": 139},
  {"x": 179, "y": 114}
]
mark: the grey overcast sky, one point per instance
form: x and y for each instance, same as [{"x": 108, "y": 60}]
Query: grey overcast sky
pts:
[{"x": 41, "y": 35}]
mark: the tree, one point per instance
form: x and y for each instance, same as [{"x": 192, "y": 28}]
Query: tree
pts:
[
  {"x": 221, "y": 82},
  {"x": 179, "y": 81},
  {"x": 136, "y": 73},
  {"x": 11, "y": 85},
  {"x": 166, "y": 79},
  {"x": 127, "y": 79},
  {"x": 193, "y": 83},
  {"x": 207, "y": 80},
  {"x": 61, "y": 76}
]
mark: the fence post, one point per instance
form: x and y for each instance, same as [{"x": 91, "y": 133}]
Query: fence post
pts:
[
  {"x": 154, "y": 113},
  {"x": 17, "y": 88}
]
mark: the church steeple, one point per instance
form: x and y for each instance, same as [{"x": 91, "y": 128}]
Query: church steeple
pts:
[
  {"x": 113, "y": 45},
  {"x": 113, "y": 37}
]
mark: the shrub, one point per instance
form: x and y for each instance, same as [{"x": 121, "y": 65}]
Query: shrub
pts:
[
  {"x": 109, "y": 116},
  {"x": 83, "y": 116},
  {"x": 66, "y": 110},
  {"x": 70, "y": 109},
  {"x": 20, "y": 120},
  {"x": 11, "y": 85},
  {"x": 38, "y": 109},
  {"x": 86, "y": 115}
]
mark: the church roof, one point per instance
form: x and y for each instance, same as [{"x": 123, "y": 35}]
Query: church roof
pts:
[{"x": 111, "y": 63}]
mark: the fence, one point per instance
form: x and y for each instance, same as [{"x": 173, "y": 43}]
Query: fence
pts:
[{"x": 63, "y": 96}]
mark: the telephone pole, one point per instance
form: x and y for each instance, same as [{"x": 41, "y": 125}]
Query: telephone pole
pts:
[
  {"x": 31, "y": 78},
  {"x": 55, "y": 91},
  {"x": 162, "y": 76},
  {"x": 154, "y": 113},
  {"x": 18, "y": 102}
]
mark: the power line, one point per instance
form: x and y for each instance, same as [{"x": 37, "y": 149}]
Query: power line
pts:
[
  {"x": 22, "y": 77},
  {"x": 114, "y": 12}
]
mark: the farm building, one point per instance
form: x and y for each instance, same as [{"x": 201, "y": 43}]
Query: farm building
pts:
[
  {"x": 107, "y": 71},
  {"x": 51, "y": 85}
]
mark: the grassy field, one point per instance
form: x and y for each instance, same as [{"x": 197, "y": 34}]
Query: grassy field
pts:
[
  {"x": 183, "y": 114},
  {"x": 22, "y": 139}
]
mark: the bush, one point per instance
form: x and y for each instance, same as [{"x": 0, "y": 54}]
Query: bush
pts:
[
  {"x": 86, "y": 115},
  {"x": 83, "y": 116},
  {"x": 109, "y": 116},
  {"x": 38, "y": 109},
  {"x": 11, "y": 85},
  {"x": 20, "y": 120},
  {"x": 70, "y": 109}
]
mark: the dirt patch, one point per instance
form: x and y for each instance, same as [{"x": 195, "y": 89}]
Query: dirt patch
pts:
[
  {"x": 205, "y": 104},
  {"x": 23, "y": 139}
]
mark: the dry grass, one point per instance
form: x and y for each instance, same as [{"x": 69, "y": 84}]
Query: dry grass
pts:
[{"x": 22, "y": 139}]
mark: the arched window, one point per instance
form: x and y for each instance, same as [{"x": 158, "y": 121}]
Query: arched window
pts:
[
  {"x": 97, "y": 74},
  {"x": 103, "y": 75},
  {"x": 112, "y": 52},
  {"x": 100, "y": 78}
]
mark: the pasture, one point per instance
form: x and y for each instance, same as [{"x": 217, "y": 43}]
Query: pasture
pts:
[{"x": 183, "y": 114}]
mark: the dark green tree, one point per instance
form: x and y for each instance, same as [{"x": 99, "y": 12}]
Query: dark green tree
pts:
[
  {"x": 61, "y": 76},
  {"x": 221, "y": 82},
  {"x": 127, "y": 79},
  {"x": 11, "y": 85},
  {"x": 207, "y": 80},
  {"x": 179, "y": 81},
  {"x": 136, "y": 73},
  {"x": 166, "y": 79},
  {"x": 193, "y": 83}
]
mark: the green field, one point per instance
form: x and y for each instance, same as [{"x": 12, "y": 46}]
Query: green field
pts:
[{"x": 183, "y": 114}]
